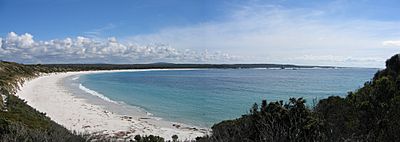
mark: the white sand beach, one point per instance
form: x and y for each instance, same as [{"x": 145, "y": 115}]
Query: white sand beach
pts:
[{"x": 48, "y": 95}]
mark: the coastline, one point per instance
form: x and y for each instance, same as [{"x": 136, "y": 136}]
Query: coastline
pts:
[{"x": 47, "y": 94}]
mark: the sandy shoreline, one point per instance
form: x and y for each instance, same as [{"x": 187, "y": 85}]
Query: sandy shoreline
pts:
[{"x": 48, "y": 95}]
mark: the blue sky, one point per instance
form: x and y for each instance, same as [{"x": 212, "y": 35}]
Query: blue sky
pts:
[
  {"x": 342, "y": 32},
  {"x": 49, "y": 19}
]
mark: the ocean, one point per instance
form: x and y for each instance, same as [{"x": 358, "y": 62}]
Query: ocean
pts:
[{"x": 207, "y": 96}]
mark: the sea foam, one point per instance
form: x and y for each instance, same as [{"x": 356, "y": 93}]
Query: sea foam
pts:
[
  {"x": 95, "y": 93},
  {"x": 75, "y": 78}
]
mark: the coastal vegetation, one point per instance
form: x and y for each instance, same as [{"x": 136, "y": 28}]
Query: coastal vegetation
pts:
[
  {"x": 371, "y": 113},
  {"x": 20, "y": 122},
  {"x": 150, "y": 138}
]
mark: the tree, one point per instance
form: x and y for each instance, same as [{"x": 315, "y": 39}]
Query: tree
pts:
[
  {"x": 175, "y": 138},
  {"x": 137, "y": 138}
]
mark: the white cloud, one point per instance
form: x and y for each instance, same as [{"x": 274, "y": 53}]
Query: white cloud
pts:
[
  {"x": 23, "y": 41},
  {"x": 273, "y": 34},
  {"x": 257, "y": 33},
  {"x": 23, "y": 48},
  {"x": 391, "y": 43},
  {"x": 99, "y": 32},
  {"x": 339, "y": 60}
]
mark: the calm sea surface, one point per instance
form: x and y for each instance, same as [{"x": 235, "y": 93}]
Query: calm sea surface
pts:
[{"x": 205, "y": 97}]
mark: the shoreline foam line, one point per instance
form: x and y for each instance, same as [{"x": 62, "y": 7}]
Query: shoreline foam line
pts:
[
  {"x": 103, "y": 97},
  {"x": 94, "y": 93},
  {"x": 48, "y": 95}
]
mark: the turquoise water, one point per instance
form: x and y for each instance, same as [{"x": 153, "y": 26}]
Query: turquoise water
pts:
[{"x": 205, "y": 97}]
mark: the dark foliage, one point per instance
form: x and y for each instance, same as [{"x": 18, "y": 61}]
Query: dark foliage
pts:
[
  {"x": 272, "y": 122},
  {"x": 149, "y": 138}
]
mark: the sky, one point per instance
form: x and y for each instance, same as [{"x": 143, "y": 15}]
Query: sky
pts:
[{"x": 353, "y": 33}]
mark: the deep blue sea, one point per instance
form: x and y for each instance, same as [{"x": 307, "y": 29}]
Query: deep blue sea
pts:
[{"x": 205, "y": 97}]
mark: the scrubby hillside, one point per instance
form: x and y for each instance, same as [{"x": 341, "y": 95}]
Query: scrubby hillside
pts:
[
  {"x": 20, "y": 122},
  {"x": 371, "y": 113}
]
